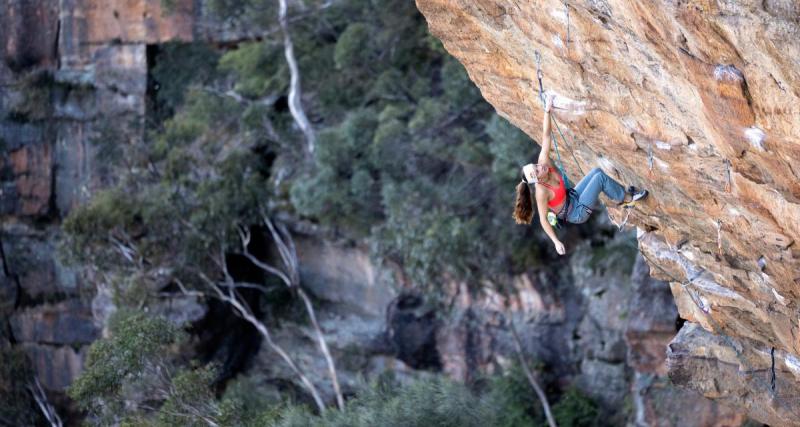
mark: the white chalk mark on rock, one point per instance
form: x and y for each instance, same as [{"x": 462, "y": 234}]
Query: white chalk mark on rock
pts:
[
  {"x": 728, "y": 73},
  {"x": 605, "y": 164},
  {"x": 792, "y": 363},
  {"x": 559, "y": 15},
  {"x": 779, "y": 297},
  {"x": 557, "y": 41},
  {"x": 561, "y": 102},
  {"x": 756, "y": 137},
  {"x": 661, "y": 145}
]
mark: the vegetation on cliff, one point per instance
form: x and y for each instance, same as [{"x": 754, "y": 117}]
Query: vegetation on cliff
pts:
[
  {"x": 409, "y": 160},
  {"x": 134, "y": 379}
]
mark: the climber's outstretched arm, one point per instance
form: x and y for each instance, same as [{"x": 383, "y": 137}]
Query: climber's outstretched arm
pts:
[
  {"x": 541, "y": 207},
  {"x": 544, "y": 155}
]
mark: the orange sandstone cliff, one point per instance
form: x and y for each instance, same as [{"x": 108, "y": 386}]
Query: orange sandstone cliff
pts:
[{"x": 700, "y": 103}]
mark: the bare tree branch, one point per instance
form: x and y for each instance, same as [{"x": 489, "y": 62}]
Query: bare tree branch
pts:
[
  {"x": 528, "y": 373},
  {"x": 323, "y": 346},
  {"x": 291, "y": 277},
  {"x": 295, "y": 93},
  {"x": 44, "y": 405},
  {"x": 244, "y": 311}
]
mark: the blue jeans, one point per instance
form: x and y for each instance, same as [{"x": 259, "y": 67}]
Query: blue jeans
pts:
[{"x": 584, "y": 197}]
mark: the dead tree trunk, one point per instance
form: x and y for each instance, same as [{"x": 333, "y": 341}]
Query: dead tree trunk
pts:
[
  {"x": 47, "y": 409},
  {"x": 291, "y": 277},
  {"x": 295, "y": 93},
  {"x": 529, "y": 374},
  {"x": 230, "y": 296}
]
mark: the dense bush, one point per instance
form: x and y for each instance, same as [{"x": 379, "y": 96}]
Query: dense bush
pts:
[
  {"x": 141, "y": 360},
  {"x": 506, "y": 401}
]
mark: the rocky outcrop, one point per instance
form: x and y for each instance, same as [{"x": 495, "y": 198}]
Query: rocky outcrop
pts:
[
  {"x": 603, "y": 324},
  {"x": 696, "y": 101},
  {"x": 652, "y": 319},
  {"x": 765, "y": 382}
]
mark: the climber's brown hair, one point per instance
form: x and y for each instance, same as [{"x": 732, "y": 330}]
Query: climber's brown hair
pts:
[{"x": 523, "y": 207}]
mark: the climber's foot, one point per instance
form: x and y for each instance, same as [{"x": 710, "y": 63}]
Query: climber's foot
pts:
[{"x": 633, "y": 195}]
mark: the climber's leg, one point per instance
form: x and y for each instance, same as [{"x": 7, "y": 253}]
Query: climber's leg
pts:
[
  {"x": 587, "y": 198},
  {"x": 585, "y": 181},
  {"x": 601, "y": 182}
]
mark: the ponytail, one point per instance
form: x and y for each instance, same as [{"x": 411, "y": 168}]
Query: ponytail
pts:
[{"x": 523, "y": 207}]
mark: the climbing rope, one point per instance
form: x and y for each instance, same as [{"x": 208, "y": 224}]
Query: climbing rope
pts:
[{"x": 539, "y": 77}]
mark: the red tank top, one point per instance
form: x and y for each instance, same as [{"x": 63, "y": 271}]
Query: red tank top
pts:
[{"x": 559, "y": 193}]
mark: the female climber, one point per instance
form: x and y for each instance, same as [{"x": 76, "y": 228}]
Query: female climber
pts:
[{"x": 573, "y": 205}]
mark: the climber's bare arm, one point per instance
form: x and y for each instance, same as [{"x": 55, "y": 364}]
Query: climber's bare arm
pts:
[
  {"x": 544, "y": 155},
  {"x": 541, "y": 207}
]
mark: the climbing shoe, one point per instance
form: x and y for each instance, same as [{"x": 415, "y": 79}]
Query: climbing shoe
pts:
[{"x": 636, "y": 195}]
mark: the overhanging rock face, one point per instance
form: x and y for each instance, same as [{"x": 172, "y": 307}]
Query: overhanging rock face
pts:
[{"x": 696, "y": 101}]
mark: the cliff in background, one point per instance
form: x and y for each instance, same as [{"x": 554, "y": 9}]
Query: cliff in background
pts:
[
  {"x": 69, "y": 70},
  {"x": 698, "y": 102}
]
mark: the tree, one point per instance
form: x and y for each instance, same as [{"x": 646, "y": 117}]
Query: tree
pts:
[{"x": 172, "y": 223}]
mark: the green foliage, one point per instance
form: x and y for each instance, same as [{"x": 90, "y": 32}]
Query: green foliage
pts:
[
  {"x": 132, "y": 379},
  {"x": 136, "y": 340},
  {"x": 246, "y": 403},
  {"x": 575, "y": 409},
  {"x": 260, "y": 69},
  {"x": 196, "y": 185},
  {"x": 458, "y": 88},
  {"x": 177, "y": 66},
  {"x": 408, "y": 155},
  {"x": 512, "y": 392},
  {"x": 510, "y": 148},
  {"x": 191, "y": 400},
  {"x": 422, "y": 403},
  {"x": 506, "y": 400},
  {"x": 354, "y": 49}
]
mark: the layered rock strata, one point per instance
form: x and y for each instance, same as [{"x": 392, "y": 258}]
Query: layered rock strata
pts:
[
  {"x": 696, "y": 101},
  {"x": 70, "y": 69}
]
